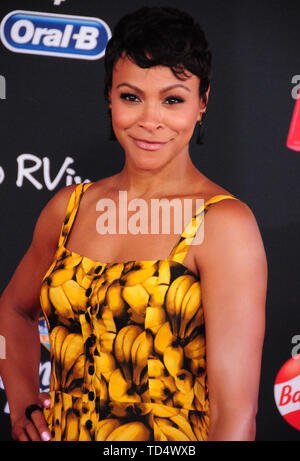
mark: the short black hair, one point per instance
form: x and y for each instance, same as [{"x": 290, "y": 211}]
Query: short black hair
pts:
[{"x": 165, "y": 36}]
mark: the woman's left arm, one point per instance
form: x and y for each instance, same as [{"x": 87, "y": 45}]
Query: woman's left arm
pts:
[{"x": 233, "y": 271}]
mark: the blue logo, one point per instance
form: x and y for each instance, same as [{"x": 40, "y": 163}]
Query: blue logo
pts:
[{"x": 50, "y": 34}]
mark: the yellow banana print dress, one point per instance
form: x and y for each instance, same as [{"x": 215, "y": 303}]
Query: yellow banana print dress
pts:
[{"x": 127, "y": 344}]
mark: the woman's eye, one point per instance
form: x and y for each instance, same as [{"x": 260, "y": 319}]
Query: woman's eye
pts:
[
  {"x": 174, "y": 100},
  {"x": 129, "y": 97}
]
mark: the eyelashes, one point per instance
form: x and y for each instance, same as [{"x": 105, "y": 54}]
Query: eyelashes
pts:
[
  {"x": 171, "y": 100},
  {"x": 129, "y": 97},
  {"x": 174, "y": 100}
]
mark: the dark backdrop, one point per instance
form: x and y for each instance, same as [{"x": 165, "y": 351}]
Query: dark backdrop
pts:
[{"x": 54, "y": 109}]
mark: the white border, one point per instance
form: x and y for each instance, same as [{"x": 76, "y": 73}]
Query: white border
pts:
[
  {"x": 287, "y": 408},
  {"x": 52, "y": 53}
]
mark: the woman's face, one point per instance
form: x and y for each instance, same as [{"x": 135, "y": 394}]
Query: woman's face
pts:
[{"x": 153, "y": 112}]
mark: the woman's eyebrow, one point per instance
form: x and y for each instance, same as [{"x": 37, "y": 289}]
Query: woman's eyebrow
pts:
[{"x": 138, "y": 90}]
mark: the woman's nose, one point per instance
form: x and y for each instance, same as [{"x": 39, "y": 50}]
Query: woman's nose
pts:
[{"x": 151, "y": 118}]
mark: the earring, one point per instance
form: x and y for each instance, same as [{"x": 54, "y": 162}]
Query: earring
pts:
[
  {"x": 200, "y": 133},
  {"x": 112, "y": 136}
]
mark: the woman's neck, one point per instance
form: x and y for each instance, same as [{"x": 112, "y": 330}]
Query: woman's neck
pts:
[{"x": 167, "y": 181}]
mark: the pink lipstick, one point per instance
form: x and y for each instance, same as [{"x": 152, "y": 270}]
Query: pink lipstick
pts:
[{"x": 148, "y": 145}]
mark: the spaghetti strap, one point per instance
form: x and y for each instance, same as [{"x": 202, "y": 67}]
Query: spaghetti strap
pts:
[
  {"x": 180, "y": 249},
  {"x": 71, "y": 211}
]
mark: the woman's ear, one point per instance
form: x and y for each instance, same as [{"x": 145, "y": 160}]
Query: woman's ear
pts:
[
  {"x": 207, "y": 93},
  {"x": 203, "y": 104},
  {"x": 200, "y": 115},
  {"x": 204, "y": 101}
]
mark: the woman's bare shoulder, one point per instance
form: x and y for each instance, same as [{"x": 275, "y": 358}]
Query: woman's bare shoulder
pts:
[
  {"x": 23, "y": 290},
  {"x": 49, "y": 222},
  {"x": 210, "y": 192},
  {"x": 225, "y": 208},
  {"x": 55, "y": 209},
  {"x": 226, "y": 222},
  {"x": 230, "y": 228}
]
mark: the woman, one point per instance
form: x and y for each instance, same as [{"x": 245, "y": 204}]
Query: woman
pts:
[{"x": 131, "y": 358}]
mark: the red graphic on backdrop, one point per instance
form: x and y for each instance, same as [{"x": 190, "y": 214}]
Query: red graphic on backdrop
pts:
[
  {"x": 293, "y": 139},
  {"x": 287, "y": 391}
]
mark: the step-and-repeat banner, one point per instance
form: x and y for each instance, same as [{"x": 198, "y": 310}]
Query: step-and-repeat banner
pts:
[{"x": 54, "y": 131}]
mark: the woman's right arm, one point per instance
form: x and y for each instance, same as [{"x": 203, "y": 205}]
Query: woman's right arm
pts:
[{"x": 19, "y": 313}]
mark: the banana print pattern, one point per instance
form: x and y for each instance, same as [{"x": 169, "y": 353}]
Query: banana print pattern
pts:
[{"x": 127, "y": 345}]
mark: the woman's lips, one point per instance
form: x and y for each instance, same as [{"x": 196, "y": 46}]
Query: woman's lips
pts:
[{"x": 148, "y": 145}]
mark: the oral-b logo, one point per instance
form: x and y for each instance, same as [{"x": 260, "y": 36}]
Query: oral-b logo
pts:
[{"x": 54, "y": 34}]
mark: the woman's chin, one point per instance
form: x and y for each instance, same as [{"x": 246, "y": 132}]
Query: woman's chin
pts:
[{"x": 151, "y": 163}]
